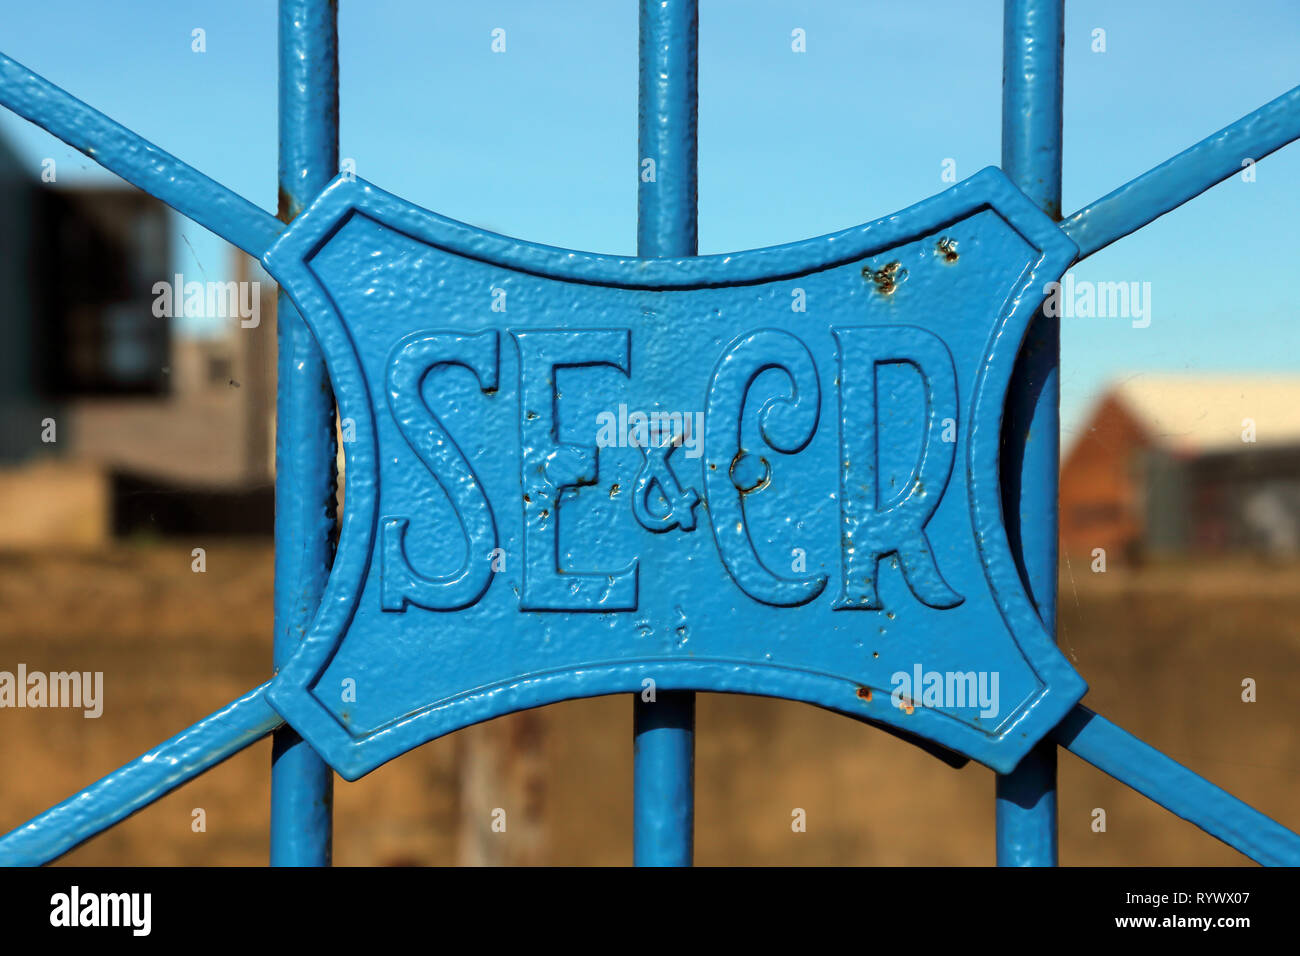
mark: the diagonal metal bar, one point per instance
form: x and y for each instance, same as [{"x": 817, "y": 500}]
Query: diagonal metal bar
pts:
[
  {"x": 142, "y": 781},
  {"x": 1185, "y": 176},
  {"x": 1148, "y": 771},
  {"x": 135, "y": 159}
]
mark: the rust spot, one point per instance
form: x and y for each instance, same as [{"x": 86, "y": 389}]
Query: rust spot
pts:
[
  {"x": 887, "y": 277},
  {"x": 613, "y": 490},
  {"x": 947, "y": 247},
  {"x": 284, "y": 206},
  {"x": 864, "y": 693},
  {"x": 744, "y": 475}
]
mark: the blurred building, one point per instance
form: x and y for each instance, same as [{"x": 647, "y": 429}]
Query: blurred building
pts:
[
  {"x": 1186, "y": 464},
  {"x": 110, "y": 422}
]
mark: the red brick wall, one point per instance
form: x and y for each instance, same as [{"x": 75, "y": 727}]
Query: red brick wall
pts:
[{"x": 1100, "y": 499}]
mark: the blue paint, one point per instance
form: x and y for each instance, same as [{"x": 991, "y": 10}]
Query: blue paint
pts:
[
  {"x": 1187, "y": 175},
  {"x": 878, "y": 519},
  {"x": 668, "y": 102},
  {"x": 1032, "y": 48},
  {"x": 136, "y": 160},
  {"x": 417, "y": 357},
  {"x": 586, "y": 599},
  {"x": 663, "y": 795},
  {"x": 301, "y": 783},
  {"x": 1095, "y": 739},
  {"x": 667, "y": 573},
  {"x": 139, "y": 783}
]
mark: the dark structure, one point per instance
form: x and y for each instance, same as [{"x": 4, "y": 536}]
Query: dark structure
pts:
[{"x": 77, "y": 267}]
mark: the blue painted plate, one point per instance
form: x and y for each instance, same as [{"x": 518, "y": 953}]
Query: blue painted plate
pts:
[{"x": 773, "y": 472}]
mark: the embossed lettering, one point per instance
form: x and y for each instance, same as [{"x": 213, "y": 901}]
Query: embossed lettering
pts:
[
  {"x": 657, "y": 478},
  {"x": 732, "y": 474},
  {"x": 548, "y": 467},
  {"x": 414, "y": 358},
  {"x": 873, "y": 529}
]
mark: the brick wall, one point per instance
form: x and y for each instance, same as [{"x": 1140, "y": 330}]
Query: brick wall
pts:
[{"x": 1101, "y": 498}]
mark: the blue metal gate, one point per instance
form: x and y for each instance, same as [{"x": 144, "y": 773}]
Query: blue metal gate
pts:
[{"x": 378, "y": 298}]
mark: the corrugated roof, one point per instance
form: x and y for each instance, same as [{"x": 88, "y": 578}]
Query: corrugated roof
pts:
[{"x": 1204, "y": 412}]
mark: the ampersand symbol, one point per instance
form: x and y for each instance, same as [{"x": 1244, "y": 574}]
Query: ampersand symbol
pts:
[{"x": 656, "y": 472}]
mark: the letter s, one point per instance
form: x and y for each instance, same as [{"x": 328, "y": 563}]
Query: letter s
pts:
[{"x": 413, "y": 359}]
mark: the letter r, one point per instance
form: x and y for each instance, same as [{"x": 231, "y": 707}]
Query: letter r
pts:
[{"x": 872, "y": 529}]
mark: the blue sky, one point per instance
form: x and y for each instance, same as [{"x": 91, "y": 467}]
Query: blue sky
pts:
[{"x": 540, "y": 142}]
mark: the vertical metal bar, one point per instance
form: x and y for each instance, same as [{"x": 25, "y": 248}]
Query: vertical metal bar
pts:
[
  {"x": 664, "y": 756},
  {"x": 302, "y": 785},
  {"x": 1033, "y": 50}
]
